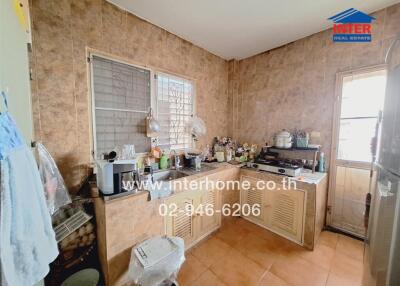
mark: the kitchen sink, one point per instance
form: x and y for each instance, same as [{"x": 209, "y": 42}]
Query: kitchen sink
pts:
[
  {"x": 168, "y": 175},
  {"x": 162, "y": 186}
]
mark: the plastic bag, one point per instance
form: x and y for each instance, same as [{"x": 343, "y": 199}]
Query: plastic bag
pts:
[
  {"x": 164, "y": 270},
  {"x": 55, "y": 190}
]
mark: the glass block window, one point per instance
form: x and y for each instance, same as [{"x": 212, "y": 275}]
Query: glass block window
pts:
[
  {"x": 121, "y": 99},
  {"x": 175, "y": 107}
]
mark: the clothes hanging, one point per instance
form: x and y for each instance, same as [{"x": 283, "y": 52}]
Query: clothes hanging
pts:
[{"x": 27, "y": 239}]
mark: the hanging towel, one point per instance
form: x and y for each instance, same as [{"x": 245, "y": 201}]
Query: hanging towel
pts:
[{"x": 27, "y": 239}]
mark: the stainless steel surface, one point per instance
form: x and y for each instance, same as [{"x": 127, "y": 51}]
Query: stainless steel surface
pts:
[
  {"x": 165, "y": 176},
  {"x": 168, "y": 175},
  {"x": 389, "y": 52},
  {"x": 177, "y": 162},
  {"x": 389, "y": 153},
  {"x": 192, "y": 171},
  {"x": 288, "y": 171},
  {"x": 382, "y": 244}
]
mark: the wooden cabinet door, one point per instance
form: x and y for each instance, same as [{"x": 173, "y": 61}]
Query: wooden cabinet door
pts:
[
  {"x": 252, "y": 197},
  {"x": 210, "y": 199},
  {"x": 284, "y": 212},
  {"x": 179, "y": 222}
]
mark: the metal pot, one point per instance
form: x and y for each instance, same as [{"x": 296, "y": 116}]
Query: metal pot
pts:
[{"x": 283, "y": 140}]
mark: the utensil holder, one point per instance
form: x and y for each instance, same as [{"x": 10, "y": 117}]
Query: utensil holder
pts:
[{"x": 302, "y": 142}]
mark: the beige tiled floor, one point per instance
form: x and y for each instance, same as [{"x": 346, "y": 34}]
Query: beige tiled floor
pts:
[{"x": 241, "y": 253}]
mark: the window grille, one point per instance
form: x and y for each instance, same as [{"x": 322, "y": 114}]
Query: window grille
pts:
[
  {"x": 175, "y": 107},
  {"x": 121, "y": 102}
]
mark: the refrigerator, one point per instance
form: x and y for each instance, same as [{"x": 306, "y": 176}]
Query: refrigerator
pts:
[{"x": 382, "y": 242}]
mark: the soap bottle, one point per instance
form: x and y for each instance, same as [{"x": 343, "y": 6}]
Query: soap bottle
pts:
[
  {"x": 321, "y": 165},
  {"x": 164, "y": 161}
]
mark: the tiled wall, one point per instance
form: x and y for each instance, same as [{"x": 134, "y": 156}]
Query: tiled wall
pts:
[
  {"x": 293, "y": 86},
  {"x": 62, "y": 29},
  {"x": 289, "y": 87}
]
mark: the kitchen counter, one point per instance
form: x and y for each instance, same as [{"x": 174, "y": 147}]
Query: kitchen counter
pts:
[
  {"x": 209, "y": 169},
  {"x": 125, "y": 221},
  {"x": 315, "y": 185},
  {"x": 306, "y": 176}
]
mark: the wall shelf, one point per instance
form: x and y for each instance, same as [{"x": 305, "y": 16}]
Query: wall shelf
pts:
[
  {"x": 311, "y": 149},
  {"x": 314, "y": 150}
]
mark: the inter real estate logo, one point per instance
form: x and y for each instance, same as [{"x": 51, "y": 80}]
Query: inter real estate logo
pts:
[{"x": 352, "y": 26}]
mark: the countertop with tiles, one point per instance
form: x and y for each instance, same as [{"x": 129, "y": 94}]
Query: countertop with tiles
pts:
[
  {"x": 217, "y": 168},
  {"x": 306, "y": 176}
]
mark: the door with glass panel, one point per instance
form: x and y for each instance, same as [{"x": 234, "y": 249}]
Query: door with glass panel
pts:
[{"x": 360, "y": 96}]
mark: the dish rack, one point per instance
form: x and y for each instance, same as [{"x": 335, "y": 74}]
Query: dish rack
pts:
[{"x": 71, "y": 224}]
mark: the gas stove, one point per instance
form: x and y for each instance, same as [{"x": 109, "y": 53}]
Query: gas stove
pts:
[{"x": 277, "y": 166}]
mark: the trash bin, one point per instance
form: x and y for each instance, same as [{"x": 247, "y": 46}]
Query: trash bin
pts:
[
  {"x": 157, "y": 261},
  {"x": 85, "y": 277}
]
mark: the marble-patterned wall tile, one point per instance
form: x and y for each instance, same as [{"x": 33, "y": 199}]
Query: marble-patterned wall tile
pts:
[
  {"x": 392, "y": 22},
  {"x": 64, "y": 30},
  {"x": 288, "y": 87},
  {"x": 295, "y": 84}
]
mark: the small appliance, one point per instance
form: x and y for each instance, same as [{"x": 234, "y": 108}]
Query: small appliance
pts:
[{"x": 116, "y": 177}]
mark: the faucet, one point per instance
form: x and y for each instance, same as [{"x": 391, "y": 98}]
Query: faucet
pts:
[{"x": 177, "y": 160}]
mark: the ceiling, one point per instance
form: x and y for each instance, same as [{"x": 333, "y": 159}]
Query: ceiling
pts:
[{"x": 242, "y": 28}]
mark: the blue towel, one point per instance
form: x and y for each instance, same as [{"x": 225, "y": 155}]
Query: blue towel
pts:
[{"x": 27, "y": 239}]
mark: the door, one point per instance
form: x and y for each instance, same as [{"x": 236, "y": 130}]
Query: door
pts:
[
  {"x": 250, "y": 198},
  {"x": 360, "y": 98},
  {"x": 210, "y": 218},
  {"x": 284, "y": 212},
  {"x": 181, "y": 218},
  {"x": 382, "y": 241}
]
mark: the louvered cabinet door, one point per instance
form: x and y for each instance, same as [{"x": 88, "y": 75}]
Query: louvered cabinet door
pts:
[
  {"x": 252, "y": 197},
  {"x": 210, "y": 198},
  {"x": 181, "y": 223},
  {"x": 285, "y": 212}
]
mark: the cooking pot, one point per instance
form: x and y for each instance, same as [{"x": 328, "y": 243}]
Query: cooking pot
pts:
[
  {"x": 283, "y": 140},
  {"x": 192, "y": 159}
]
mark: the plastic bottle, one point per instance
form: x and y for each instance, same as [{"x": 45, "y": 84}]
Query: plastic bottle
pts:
[
  {"x": 164, "y": 161},
  {"x": 321, "y": 166}
]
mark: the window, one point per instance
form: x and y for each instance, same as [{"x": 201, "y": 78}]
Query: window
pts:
[
  {"x": 362, "y": 99},
  {"x": 175, "y": 98},
  {"x": 121, "y": 101}
]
